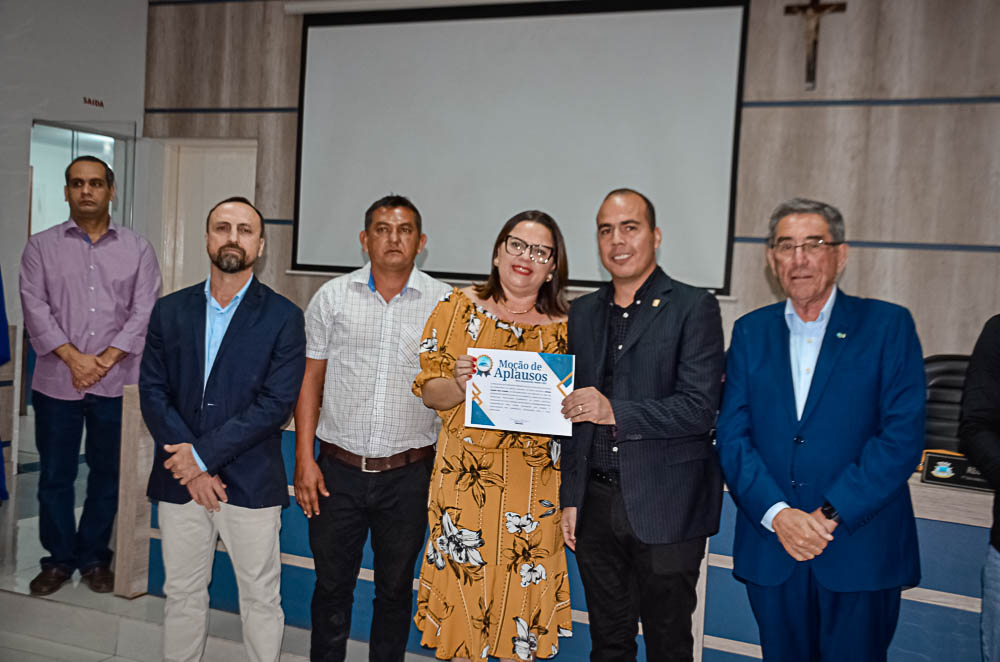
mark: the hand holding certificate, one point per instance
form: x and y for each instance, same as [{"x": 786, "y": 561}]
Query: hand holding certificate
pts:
[{"x": 519, "y": 391}]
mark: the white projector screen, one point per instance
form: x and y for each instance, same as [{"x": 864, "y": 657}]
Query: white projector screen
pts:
[{"x": 478, "y": 113}]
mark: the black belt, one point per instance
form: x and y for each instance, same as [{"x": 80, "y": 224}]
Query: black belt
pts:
[{"x": 606, "y": 477}]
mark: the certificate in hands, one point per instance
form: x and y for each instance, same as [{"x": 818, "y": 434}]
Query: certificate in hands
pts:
[{"x": 519, "y": 391}]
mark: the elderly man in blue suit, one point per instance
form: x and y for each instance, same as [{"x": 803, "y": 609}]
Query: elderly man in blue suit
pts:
[
  {"x": 221, "y": 373},
  {"x": 821, "y": 426}
]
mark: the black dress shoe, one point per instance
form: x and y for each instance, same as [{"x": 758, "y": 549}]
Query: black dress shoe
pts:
[
  {"x": 100, "y": 579},
  {"x": 49, "y": 580}
]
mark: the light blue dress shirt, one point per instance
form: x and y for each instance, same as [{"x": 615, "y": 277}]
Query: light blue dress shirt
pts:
[
  {"x": 804, "y": 342},
  {"x": 217, "y": 321}
]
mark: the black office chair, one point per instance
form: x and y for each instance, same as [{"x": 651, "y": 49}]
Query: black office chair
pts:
[{"x": 945, "y": 379}]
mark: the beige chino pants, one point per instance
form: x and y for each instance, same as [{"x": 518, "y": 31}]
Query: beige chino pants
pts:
[{"x": 189, "y": 535}]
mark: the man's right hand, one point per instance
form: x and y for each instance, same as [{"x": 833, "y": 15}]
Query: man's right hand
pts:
[
  {"x": 308, "y": 481},
  {"x": 207, "y": 491},
  {"x": 569, "y": 526},
  {"x": 802, "y": 536},
  {"x": 85, "y": 369}
]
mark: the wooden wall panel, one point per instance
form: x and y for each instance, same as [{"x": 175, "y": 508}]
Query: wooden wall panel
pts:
[
  {"x": 275, "y": 181},
  {"x": 902, "y": 174},
  {"x": 277, "y": 258},
  {"x": 131, "y": 561},
  {"x": 225, "y": 54},
  {"x": 876, "y": 49},
  {"x": 951, "y": 294},
  {"x": 275, "y": 134},
  {"x": 787, "y": 152}
]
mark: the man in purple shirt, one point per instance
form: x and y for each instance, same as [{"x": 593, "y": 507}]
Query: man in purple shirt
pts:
[{"x": 87, "y": 289}]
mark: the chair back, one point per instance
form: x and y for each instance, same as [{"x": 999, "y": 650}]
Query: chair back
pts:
[{"x": 945, "y": 380}]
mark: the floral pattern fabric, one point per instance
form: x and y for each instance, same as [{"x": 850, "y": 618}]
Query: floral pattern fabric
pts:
[{"x": 493, "y": 581}]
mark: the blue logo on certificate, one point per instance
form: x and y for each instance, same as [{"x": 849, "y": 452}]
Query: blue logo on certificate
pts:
[{"x": 483, "y": 365}]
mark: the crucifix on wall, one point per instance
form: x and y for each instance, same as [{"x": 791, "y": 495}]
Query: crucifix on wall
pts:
[{"x": 812, "y": 12}]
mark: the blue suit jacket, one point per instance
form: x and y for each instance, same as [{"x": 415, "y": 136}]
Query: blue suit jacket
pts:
[
  {"x": 859, "y": 440},
  {"x": 251, "y": 392}
]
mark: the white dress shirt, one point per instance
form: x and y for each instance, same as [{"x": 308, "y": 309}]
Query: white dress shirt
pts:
[
  {"x": 371, "y": 346},
  {"x": 804, "y": 342}
]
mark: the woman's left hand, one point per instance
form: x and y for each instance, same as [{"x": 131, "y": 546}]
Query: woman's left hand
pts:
[{"x": 465, "y": 367}]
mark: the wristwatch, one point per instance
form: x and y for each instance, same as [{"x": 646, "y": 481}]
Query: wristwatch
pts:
[{"x": 830, "y": 512}]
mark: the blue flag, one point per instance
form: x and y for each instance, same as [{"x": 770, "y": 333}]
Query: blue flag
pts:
[
  {"x": 4, "y": 339},
  {"x": 4, "y": 357}
]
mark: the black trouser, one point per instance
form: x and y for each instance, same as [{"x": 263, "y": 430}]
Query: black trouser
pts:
[
  {"x": 393, "y": 506},
  {"x": 625, "y": 579}
]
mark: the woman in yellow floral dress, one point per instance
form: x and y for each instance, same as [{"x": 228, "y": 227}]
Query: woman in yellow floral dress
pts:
[{"x": 493, "y": 581}]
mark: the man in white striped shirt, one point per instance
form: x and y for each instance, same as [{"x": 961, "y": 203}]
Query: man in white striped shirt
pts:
[{"x": 376, "y": 438}]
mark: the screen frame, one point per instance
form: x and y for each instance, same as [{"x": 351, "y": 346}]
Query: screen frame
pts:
[{"x": 526, "y": 9}]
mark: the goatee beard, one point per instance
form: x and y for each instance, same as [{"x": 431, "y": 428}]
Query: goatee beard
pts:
[{"x": 230, "y": 262}]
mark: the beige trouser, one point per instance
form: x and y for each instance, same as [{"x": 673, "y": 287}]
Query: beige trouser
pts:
[{"x": 251, "y": 538}]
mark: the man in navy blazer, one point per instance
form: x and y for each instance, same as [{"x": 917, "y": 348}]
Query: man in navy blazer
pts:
[
  {"x": 220, "y": 376},
  {"x": 641, "y": 485},
  {"x": 822, "y": 424}
]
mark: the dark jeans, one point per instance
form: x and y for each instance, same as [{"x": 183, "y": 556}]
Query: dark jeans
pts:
[
  {"x": 393, "y": 506},
  {"x": 59, "y": 427},
  {"x": 625, "y": 579}
]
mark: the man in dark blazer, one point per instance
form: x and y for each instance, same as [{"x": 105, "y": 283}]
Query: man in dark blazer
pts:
[
  {"x": 822, "y": 423},
  {"x": 220, "y": 376},
  {"x": 641, "y": 485},
  {"x": 979, "y": 438}
]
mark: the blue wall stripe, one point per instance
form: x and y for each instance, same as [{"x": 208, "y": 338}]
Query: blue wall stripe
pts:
[
  {"x": 259, "y": 109},
  {"x": 6, "y": 382},
  {"x": 712, "y": 655},
  {"x": 951, "y": 557},
  {"x": 6, "y": 444},
  {"x": 904, "y": 245},
  {"x": 921, "y": 101},
  {"x": 278, "y": 221},
  {"x": 727, "y": 608}
]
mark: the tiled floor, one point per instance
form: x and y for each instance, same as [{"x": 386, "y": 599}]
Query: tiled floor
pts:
[
  {"x": 74, "y": 623},
  {"x": 21, "y": 648}
]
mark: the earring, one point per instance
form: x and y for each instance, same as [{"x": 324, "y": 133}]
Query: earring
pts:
[
  {"x": 496, "y": 262},
  {"x": 548, "y": 279}
]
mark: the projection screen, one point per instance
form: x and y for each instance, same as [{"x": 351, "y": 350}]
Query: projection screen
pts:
[{"x": 478, "y": 113}]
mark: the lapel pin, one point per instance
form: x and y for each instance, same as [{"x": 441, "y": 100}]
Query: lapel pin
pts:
[
  {"x": 656, "y": 302},
  {"x": 841, "y": 335}
]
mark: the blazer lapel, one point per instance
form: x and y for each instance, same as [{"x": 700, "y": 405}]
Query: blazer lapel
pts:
[
  {"x": 599, "y": 319},
  {"x": 658, "y": 293},
  {"x": 780, "y": 339},
  {"x": 834, "y": 341},
  {"x": 245, "y": 314},
  {"x": 197, "y": 329}
]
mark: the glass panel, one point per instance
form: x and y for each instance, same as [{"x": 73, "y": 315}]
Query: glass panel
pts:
[{"x": 52, "y": 149}]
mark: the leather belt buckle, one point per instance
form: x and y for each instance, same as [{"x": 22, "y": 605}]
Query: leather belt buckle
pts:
[{"x": 364, "y": 467}]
